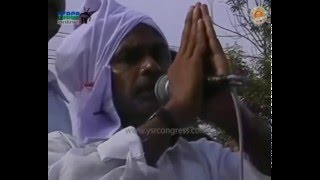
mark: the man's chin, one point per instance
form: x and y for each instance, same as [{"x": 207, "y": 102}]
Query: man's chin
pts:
[
  {"x": 145, "y": 108},
  {"x": 142, "y": 113},
  {"x": 148, "y": 107}
]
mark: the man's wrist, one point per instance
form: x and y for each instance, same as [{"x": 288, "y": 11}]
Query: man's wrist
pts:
[
  {"x": 180, "y": 116},
  {"x": 166, "y": 117}
]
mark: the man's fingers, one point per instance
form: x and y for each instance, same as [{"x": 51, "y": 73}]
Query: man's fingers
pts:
[
  {"x": 186, "y": 30},
  {"x": 193, "y": 34},
  {"x": 220, "y": 64},
  {"x": 201, "y": 43},
  {"x": 219, "y": 61},
  {"x": 204, "y": 10},
  {"x": 213, "y": 41}
]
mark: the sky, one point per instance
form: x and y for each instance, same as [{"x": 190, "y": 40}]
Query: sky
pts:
[{"x": 168, "y": 14}]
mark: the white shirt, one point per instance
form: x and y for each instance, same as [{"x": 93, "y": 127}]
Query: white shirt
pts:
[{"x": 122, "y": 158}]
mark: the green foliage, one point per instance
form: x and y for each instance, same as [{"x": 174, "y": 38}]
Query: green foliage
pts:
[{"x": 256, "y": 66}]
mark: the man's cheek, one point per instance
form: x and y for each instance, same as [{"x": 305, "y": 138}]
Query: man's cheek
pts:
[{"x": 132, "y": 85}]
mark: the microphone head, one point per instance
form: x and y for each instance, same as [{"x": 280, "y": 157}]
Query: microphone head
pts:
[{"x": 161, "y": 89}]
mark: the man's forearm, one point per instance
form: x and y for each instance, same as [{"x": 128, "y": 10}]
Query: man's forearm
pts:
[
  {"x": 256, "y": 133},
  {"x": 154, "y": 135}
]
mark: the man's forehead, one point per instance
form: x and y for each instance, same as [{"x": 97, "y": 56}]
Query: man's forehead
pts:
[{"x": 142, "y": 35}]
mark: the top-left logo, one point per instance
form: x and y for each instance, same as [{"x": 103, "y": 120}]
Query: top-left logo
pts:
[{"x": 74, "y": 17}]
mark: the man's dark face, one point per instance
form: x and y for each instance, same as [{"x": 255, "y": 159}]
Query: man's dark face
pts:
[{"x": 138, "y": 62}]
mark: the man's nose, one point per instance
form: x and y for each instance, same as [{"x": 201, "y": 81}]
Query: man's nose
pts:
[{"x": 150, "y": 65}]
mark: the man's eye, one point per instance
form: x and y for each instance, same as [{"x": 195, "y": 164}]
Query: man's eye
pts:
[
  {"x": 131, "y": 57},
  {"x": 162, "y": 56}
]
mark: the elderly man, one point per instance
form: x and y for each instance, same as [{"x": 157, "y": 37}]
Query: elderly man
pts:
[
  {"x": 111, "y": 66},
  {"x": 58, "y": 113}
]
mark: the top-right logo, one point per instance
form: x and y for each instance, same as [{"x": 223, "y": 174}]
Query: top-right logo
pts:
[{"x": 259, "y": 15}]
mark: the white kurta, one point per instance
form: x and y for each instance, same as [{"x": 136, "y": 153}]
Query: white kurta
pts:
[{"x": 122, "y": 157}]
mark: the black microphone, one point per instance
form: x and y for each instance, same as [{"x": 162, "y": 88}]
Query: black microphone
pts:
[{"x": 161, "y": 88}]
